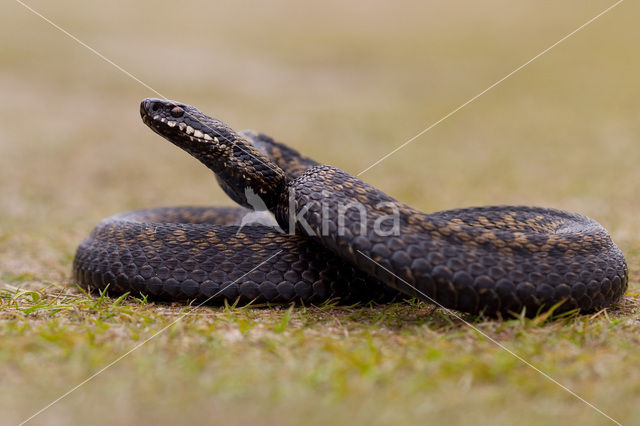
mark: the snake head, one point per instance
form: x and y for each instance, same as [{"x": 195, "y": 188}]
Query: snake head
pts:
[
  {"x": 184, "y": 124},
  {"x": 236, "y": 162}
]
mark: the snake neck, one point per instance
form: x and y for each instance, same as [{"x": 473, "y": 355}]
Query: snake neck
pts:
[{"x": 250, "y": 178}]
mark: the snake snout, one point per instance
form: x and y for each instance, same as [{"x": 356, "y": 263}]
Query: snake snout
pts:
[{"x": 154, "y": 106}]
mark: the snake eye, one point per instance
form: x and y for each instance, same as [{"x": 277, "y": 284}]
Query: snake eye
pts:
[{"x": 177, "y": 112}]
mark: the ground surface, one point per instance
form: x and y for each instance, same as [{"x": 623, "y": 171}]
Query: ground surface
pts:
[{"x": 345, "y": 84}]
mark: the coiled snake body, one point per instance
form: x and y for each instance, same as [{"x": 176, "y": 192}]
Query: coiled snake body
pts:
[{"x": 345, "y": 239}]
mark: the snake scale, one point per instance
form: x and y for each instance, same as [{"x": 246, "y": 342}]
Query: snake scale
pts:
[{"x": 344, "y": 239}]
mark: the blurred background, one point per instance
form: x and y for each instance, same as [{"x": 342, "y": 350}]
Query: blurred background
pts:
[{"x": 343, "y": 82}]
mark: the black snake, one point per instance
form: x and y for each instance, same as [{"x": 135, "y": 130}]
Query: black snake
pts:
[{"x": 345, "y": 239}]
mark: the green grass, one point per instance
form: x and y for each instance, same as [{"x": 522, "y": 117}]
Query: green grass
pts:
[
  {"x": 345, "y": 84},
  {"x": 401, "y": 362}
]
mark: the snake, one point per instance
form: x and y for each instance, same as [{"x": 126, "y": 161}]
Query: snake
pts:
[{"x": 333, "y": 237}]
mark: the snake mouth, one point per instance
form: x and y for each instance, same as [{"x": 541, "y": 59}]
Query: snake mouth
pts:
[
  {"x": 233, "y": 159},
  {"x": 176, "y": 121}
]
